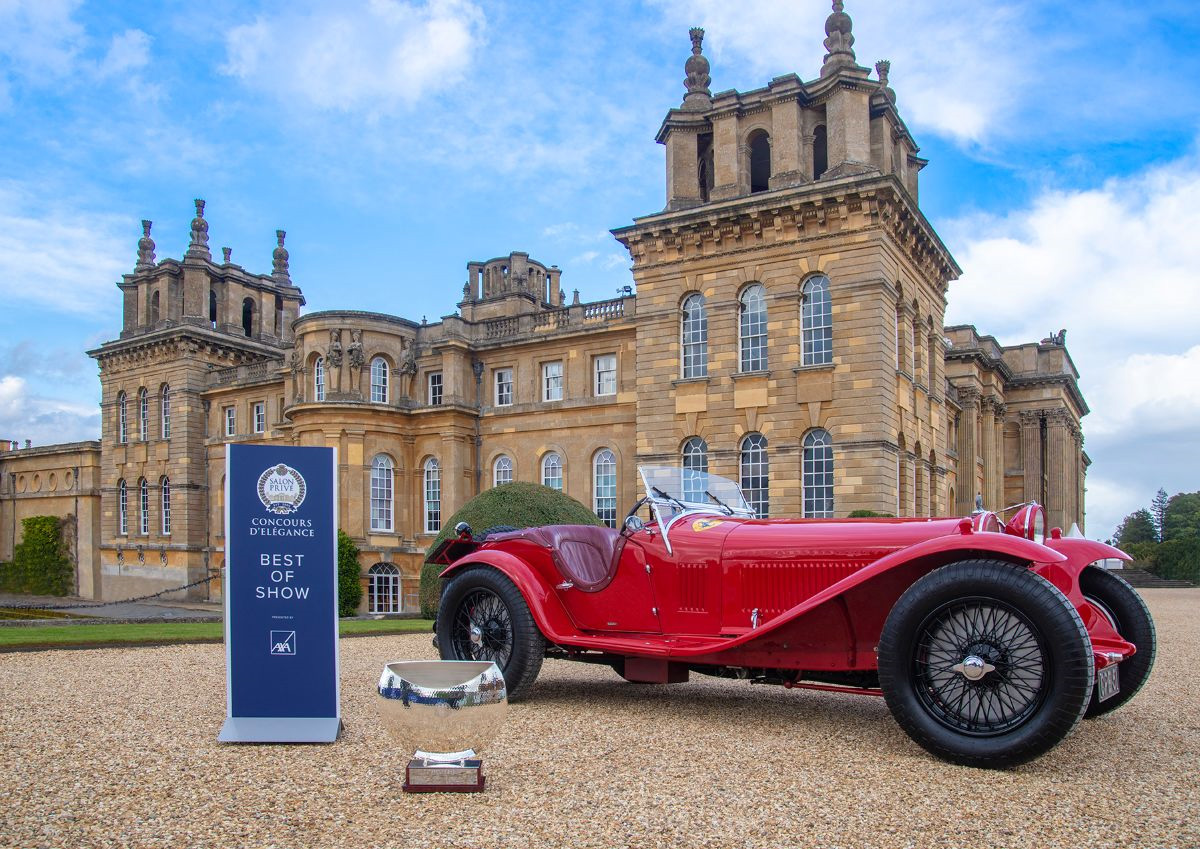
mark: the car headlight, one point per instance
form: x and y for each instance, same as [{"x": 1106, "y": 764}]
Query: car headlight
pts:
[{"x": 1029, "y": 522}]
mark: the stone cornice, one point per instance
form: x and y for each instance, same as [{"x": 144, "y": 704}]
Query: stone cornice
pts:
[
  {"x": 856, "y": 202},
  {"x": 182, "y": 341}
]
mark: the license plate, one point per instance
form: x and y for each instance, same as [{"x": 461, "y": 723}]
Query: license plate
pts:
[{"x": 1108, "y": 682}]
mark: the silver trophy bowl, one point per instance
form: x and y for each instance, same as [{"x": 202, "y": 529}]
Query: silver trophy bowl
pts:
[{"x": 443, "y": 710}]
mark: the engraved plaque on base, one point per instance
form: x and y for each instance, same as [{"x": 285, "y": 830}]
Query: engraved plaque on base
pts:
[{"x": 442, "y": 711}]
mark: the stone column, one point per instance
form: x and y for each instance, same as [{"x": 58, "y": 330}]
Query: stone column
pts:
[
  {"x": 1058, "y": 453},
  {"x": 1031, "y": 455},
  {"x": 998, "y": 482},
  {"x": 968, "y": 450},
  {"x": 988, "y": 415}
]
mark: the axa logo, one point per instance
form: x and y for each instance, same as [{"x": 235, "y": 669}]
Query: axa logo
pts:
[
  {"x": 281, "y": 489},
  {"x": 283, "y": 642}
]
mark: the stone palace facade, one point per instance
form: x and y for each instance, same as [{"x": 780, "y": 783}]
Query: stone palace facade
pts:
[{"x": 786, "y": 332}]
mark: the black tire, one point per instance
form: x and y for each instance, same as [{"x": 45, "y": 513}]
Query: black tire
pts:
[
  {"x": 1124, "y": 608},
  {"x": 986, "y": 664},
  {"x": 483, "y": 599}
]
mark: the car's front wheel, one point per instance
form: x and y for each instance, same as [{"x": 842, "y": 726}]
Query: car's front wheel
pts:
[
  {"x": 985, "y": 663},
  {"x": 483, "y": 616},
  {"x": 1121, "y": 605}
]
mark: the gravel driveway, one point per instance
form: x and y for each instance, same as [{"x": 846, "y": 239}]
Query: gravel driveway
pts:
[{"x": 118, "y": 748}]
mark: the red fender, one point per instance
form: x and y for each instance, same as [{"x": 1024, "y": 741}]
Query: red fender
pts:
[
  {"x": 548, "y": 612},
  {"x": 1081, "y": 553}
]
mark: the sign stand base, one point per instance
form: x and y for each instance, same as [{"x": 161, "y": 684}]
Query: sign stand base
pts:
[{"x": 284, "y": 729}]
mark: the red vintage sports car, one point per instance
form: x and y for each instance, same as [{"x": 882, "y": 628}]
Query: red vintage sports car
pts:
[{"x": 989, "y": 641}]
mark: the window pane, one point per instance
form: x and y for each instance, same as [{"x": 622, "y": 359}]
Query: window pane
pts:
[
  {"x": 695, "y": 466},
  {"x": 166, "y": 506},
  {"x": 502, "y": 471},
  {"x": 433, "y": 496},
  {"x": 382, "y": 481},
  {"x": 818, "y": 475},
  {"x": 755, "y": 474},
  {"x": 166, "y": 412},
  {"x": 694, "y": 337},
  {"x": 143, "y": 507},
  {"x": 552, "y": 381},
  {"x": 504, "y": 387},
  {"x": 122, "y": 507},
  {"x": 753, "y": 329},
  {"x": 552, "y": 472},
  {"x": 143, "y": 415},
  {"x": 383, "y": 589},
  {"x": 319, "y": 379},
  {"x": 604, "y": 487},
  {"x": 435, "y": 388},
  {"x": 379, "y": 381},
  {"x": 606, "y": 375},
  {"x": 817, "y": 322}
]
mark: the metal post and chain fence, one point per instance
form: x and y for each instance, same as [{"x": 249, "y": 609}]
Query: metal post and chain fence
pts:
[{"x": 89, "y": 604}]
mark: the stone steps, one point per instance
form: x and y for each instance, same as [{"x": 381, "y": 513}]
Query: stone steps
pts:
[{"x": 1147, "y": 580}]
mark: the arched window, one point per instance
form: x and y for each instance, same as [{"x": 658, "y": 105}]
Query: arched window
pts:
[
  {"x": 552, "y": 471},
  {"x": 164, "y": 485},
  {"x": 820, "y": 151},
  {"x": 319, "y": 379},
  {"x": 755, "y": 473},
  {"x": 383, "y": 589},
  {"x": 816, "y": 313},
  {"x": 122, "y": 508},
  {"x": 381, "y": 493},
  {"x": 212, "y": 308},
  {"x": 248, "y": 316},
  {"x": 502, "y": 470},
  {"x": 604, "y": 486},
  {"x": 695, "y": 467},
  {"x": 433, "y": 496},
  {"x": 379, "y": 380},
  {"x": 165, "y": 411},
  {"x": 752, "y": 328},
  {"x": 694, "y": 337},
  {"x": 143, "y": 507},
  {"x": 818, "y": 475},
  {"x": 760, "y": 161},
  {"x": 122, "y": 419},
  {"x": 154, "y": 308},
  {"x": 143, "y": 414}
]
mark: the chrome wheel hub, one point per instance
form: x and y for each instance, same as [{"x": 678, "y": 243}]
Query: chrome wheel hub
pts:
[
  {"x": 476, "y": 635},
  {"x": 973, "y": 667}
]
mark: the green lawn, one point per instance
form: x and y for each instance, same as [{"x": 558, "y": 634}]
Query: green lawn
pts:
[{"x": 50, "y": 636}]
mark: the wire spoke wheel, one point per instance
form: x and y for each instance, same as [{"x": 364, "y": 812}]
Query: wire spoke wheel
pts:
[
  {"x": 483, "y": 628},
  {"x": 980, "y": 666}
]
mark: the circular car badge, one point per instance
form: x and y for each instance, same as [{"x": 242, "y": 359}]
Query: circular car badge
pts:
[{"x": 281, "y": 489}]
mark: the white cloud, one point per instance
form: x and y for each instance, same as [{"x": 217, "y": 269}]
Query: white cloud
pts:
[
  {"x": 959, "y": 73},
  {"x": 43, "y": 420},
  {"x": 128, "y": 51},
  {"x": 39, "y": 38},
  {"x": 63, "y": 258},
  {"x": 1119, "y": 267},
  {"x": 372, "y": 55}
]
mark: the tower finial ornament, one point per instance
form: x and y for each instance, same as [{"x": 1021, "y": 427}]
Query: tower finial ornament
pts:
[
  {"x": 279, "y": 259},
  {"x": 839, "y": 41},
  {"x": 883, "y": 67},
  {"x": 698, "y": 94},
  {"x": 145, "y": 259},
  {"x": 199, "y": 243}
]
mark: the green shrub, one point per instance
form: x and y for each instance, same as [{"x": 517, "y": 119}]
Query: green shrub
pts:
[
  {"x": 10, "y": 581},
  {"x": 40, "y": 563},
  {"x": 349, "y": 583},
  {"x": 869, "y": 514},
  {"x": 1144, "y": 554},
  {"x": 519, "y": 504},
  {"x": 1178, "y": 559}
]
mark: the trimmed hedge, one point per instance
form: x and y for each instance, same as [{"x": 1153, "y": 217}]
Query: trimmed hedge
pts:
[
  {"x": 519, "y": 504},
  {"x": 869, "y": 514},
  {"x": 1177, "y": 559},
  {"x": 349, "y": 575},
  {"x": 40, "y": 565}
]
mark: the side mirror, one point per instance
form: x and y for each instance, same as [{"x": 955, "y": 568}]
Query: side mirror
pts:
[
  {"x": 463, "y": 530},
  {"x": 633, "y": 524}
]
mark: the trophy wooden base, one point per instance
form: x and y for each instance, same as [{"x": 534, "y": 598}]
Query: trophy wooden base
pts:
[{"x": 459, "y": 777}]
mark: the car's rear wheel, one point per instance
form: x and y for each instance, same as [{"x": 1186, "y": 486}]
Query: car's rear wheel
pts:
[
  {"x": 985, "y": 663},
  {"x": 483, "y": 616},
  {"x": 1121, "y": 605}
]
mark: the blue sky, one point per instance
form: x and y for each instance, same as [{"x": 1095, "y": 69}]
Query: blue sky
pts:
[{"x": 395, "y": 141}]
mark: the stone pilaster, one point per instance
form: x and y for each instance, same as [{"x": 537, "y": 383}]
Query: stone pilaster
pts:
[
  {"x": 1031, "y": 455},
  {"x": 968, "y": 450},
  {"x": 988, "y": 427},
  {"x": 1058, "y": 454}
]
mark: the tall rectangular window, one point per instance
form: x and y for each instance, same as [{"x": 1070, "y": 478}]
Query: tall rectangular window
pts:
[
  {"x": 433, "y": 496},
  {"x": 435, "y": 388},
  {"x": 166, "y": 412},
  {"x": 606, "y": 374},
  {"x": 143, "y": 507},
  {"x": 504, "y": 387},
  {"x": 552, "y": 381},
  {"x": 230, "y": 421},
  {"x": 165, "y": 485},
  {"x": 260, "y": 417}
]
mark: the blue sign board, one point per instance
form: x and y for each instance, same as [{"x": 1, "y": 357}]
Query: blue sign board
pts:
[{"x": 281, "y": 629}]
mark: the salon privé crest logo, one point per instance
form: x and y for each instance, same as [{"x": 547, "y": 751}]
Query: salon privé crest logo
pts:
[{"x": 281, "y": 489}]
